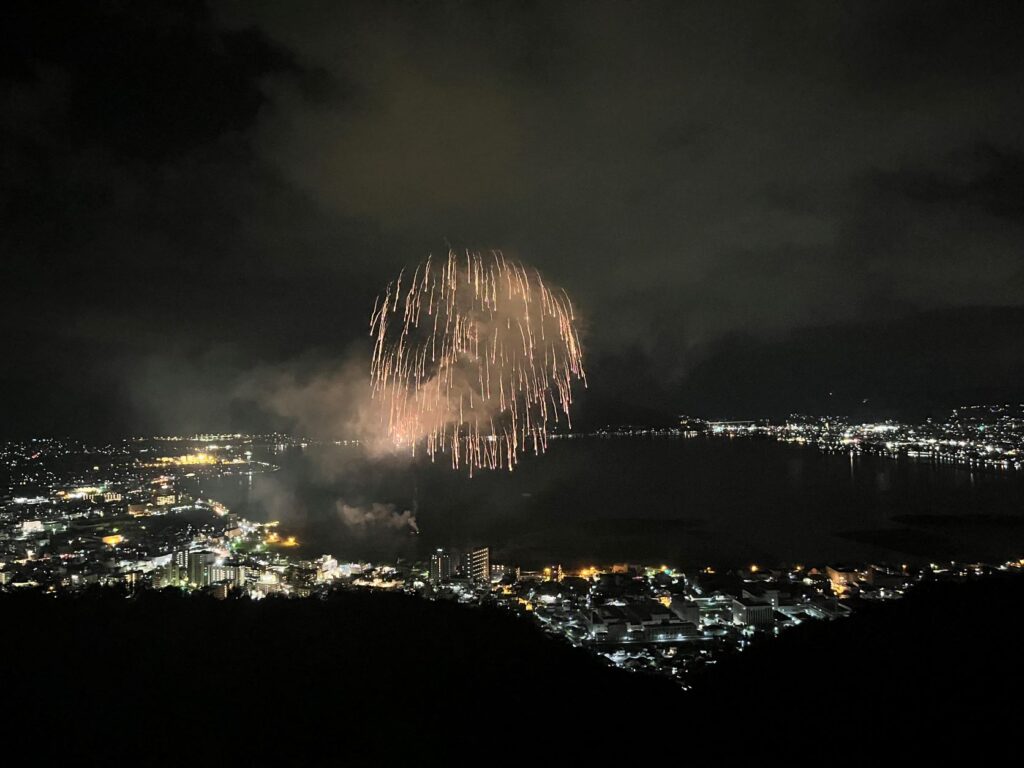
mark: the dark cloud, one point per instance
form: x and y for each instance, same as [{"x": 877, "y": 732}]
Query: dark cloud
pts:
[{"x": 194, "y": 195}]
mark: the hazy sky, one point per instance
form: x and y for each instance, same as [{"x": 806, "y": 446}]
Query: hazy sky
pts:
[{"x": 754, "y": 204}]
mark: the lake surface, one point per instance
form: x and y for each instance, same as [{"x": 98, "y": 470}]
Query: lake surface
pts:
[{"x": 684, "y": 502}]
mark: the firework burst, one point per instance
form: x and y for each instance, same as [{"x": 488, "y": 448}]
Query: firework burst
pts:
[{"x": 475, "y": 355}]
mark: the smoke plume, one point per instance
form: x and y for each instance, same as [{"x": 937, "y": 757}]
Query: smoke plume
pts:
[{"x": 376, "y": 516}]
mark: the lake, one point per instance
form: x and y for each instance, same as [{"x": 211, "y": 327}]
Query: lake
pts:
[{"x": 684, "y": 502}]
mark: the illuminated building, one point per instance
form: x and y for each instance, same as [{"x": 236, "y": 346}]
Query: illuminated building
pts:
[
  {"x": 199, "y": 567},
  {"x": 180, "y": 558},
  {"x": 440, "y": 566},
  {"x": 844, "y": 578},
  {"x": 553, "y": 573},
  {"x": 686, "y": 610},
  {"x": 646, "y": 622},
  {"x": 499, "y": 572},
  {"x": 763, "y": 594},
  {"x": 476, "y": 564},
  {"x": 752, "y": 612},
  {"x": 234, "y": 575},
  {"x": 326, "y": 568}
]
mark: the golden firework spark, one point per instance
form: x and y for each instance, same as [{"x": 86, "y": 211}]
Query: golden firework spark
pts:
[{"x": 474, "y": 354}]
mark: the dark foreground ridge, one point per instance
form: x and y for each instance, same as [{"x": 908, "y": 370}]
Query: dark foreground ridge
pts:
[{"x": 286, "y": 677}]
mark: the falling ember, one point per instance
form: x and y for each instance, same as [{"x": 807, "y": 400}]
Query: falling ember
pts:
[{"x": 476, "y": 355}]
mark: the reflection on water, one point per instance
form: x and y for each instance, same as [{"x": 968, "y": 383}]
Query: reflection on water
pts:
[{"x": 688, "y": 502}]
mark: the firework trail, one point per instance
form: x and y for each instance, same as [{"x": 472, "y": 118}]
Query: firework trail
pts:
[{"x": 476, "y": 355}]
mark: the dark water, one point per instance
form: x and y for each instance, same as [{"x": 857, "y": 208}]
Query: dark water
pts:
[{"x": 683, "y": 502}]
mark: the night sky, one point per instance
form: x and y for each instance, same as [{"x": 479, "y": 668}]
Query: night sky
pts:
[{"x": 759, "y": 207}]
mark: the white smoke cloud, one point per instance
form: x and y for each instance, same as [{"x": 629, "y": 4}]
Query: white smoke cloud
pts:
[
  {"x": 322, "y": 400},
  {"x": 376, "y": 515}
]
